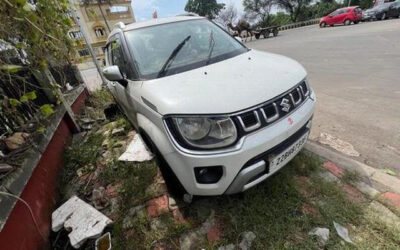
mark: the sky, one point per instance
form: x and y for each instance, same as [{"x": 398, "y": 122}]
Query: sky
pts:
[{"x": 143, "y": 9}]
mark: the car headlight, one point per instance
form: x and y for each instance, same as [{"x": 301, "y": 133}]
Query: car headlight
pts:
[{"x": 205, "y": 132}]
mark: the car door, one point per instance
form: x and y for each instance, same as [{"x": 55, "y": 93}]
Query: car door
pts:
[
  {"x": 342, "y": 16},
  {"x": 338, "y": 17},
  {"x": 331, "y": 17},
  {"x": 126, "y": 95},
  {"x": 393, "y": 10}
]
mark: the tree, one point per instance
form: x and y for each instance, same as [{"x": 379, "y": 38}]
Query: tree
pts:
[
  {"x": 227, "y": 15},
  {"x": 364, "y": 4},
  {"x": 321, "y": 9},
  {"x": 279, "y": 18},
  {"x": 207, "y": 8},
  {"x": 258, "y": 10},
  {"x": 99, "y": 3},
  {"x": 295, "y": 8}
]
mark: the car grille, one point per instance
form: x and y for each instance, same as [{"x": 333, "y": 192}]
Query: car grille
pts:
[{"x": 268, "y": 113}]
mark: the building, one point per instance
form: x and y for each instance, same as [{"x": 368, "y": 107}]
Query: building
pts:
[{"x": 98, "y": 19}]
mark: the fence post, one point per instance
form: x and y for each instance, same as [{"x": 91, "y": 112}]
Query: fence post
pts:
[{"x": 46, "y": 81}]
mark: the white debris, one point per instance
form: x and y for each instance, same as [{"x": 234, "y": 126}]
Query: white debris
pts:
[
  {"x": 338, "y": 144},
  {"x": 227, "y": 247},
  {"x": 136, "y": 151},
  {"x": 321, "y": 233},
  {"x": 342, "y": 232},
  {"x": 247, "y": 240},
  {"x": 83, "y": 220}
]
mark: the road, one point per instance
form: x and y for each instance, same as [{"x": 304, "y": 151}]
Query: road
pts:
[{"x": 355, "y": 72}]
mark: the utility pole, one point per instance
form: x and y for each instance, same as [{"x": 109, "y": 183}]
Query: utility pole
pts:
[{"x": 85, "y": 36}]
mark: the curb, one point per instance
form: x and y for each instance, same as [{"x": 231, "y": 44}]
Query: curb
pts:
[{"x": 371, "y": 176}]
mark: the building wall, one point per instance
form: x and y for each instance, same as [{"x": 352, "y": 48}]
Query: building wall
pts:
[{"x": 95, "y": 27}]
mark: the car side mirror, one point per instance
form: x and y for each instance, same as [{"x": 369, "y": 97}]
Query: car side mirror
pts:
[{"x": 112, "y": 73}]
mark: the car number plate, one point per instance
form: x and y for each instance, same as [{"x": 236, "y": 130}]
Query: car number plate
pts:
[{"x": 280, "y": 160}]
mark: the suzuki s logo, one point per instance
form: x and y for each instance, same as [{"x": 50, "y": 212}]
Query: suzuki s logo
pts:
[{"x": 285, "y": 105}]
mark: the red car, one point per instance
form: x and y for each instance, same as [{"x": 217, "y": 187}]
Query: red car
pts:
[{"x": 345, "y": 16}]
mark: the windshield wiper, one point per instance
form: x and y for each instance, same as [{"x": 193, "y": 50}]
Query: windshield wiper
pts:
[
  {"x": 210, "y": 47},
  {"x": 172, "y": 57}
]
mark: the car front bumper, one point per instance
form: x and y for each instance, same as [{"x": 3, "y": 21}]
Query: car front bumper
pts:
[{"x": 236, "y": 172}]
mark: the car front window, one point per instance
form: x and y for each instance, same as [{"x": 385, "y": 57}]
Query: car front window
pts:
[{"x": 152, "y": 46}]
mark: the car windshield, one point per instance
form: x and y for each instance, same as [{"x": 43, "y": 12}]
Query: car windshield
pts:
[
  {"x": 383, "y": 6},
  {"x": 180, "y": 46}
]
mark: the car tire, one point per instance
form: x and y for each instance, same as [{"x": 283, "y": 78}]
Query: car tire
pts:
[
  {"x": 322, "y": 25},
  {"x": 174, "y": 186},
  {"x": 383, "y": 17},
  {"x": 347, "y": 22},
  {"x": 356, "y": 22}
]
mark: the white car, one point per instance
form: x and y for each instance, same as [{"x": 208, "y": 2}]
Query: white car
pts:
[{"x": 222, "y": 116}]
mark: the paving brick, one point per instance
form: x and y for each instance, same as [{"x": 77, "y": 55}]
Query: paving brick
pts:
[
  {"x": 392, "y": 198},
  {"x": 385, "y": 182},
  {"x": 367, "y": 189},
  {"x": 214, "y": 234},
  {"x": 353, "y": 193},
  {"x": 333, "y": 168},
  {"x": 157, "y": 206}
]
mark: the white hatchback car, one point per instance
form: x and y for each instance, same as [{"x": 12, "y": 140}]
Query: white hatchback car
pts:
[{"x": 224, "y": 117}]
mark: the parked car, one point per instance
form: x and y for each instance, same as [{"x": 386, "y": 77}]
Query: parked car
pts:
[
  {"x": 382, "y": 11},
  {"x": 344, "y": 16},
  {"x": 221, "y": 116}
]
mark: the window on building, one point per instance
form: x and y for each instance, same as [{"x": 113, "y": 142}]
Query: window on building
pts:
[
  {"x": 100, "y": 31},
  {"x": 118, "y": 9},
  {"x": 83, "y": 52},
  {"x": 75, "y": 34}
]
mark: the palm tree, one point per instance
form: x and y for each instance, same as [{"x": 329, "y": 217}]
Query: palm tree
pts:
[{"x": 99, "y": 3}]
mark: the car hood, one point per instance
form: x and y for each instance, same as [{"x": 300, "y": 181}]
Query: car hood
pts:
[
  {"x": 224, "y": 87},
  {"x": 371, "y": 10}
]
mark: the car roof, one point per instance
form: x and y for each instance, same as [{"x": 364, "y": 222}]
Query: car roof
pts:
[
  {"x": 153, "y": 22},
  {"x": 346, "y": 8}
]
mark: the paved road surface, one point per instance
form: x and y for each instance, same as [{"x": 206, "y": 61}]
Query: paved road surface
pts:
[{"x": 355, "y": 71}]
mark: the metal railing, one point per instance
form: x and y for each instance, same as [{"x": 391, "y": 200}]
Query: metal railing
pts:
[{"x": 299, "y": 24}]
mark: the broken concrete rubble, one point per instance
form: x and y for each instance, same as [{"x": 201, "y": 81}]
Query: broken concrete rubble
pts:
[
  {"x": 16, "y": 140},
  {"x": 196, "y": 239},
  {"x": 117, "y": 131},
  {"x": 99, "y": 199},
  {"x": 338, "y": 144},
  {"x": 245, "y": 244},
  {"x": 83, "y": 220},
  {"x": 136, "y": 151},
  {"x": 248, "y": 238},
  {"x": 321, "y": 233},
  {"x": 5, "y": 168}
]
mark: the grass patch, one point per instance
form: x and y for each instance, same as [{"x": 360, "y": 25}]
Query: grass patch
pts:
[
  {"x": 350, "y": 177},
  {"x": 135, "y": 178},
  {"x": 273, "y": 211}
]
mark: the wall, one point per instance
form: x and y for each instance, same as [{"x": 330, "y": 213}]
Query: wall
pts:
[{"x": 40, "y": 193}]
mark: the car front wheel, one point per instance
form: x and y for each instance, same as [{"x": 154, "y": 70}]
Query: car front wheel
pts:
[
  {"x": 322, "y": 25},
  {"x": 347, "y": 22},
  {"x": 383, "y": 17}
]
